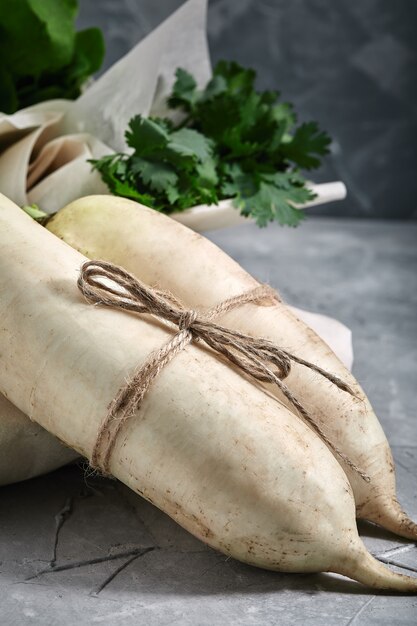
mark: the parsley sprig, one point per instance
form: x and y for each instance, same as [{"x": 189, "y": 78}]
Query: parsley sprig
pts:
[{"x": 232, "y": 142}]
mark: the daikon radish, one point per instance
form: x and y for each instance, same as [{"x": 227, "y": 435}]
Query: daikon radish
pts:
[
  {"x": 27, "y": 450},
  {"x": 224, "y": 459},
  {"x": 160, "y": 251}
]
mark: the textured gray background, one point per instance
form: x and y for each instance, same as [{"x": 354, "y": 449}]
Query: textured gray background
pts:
[{"x": 350, "y": 65}]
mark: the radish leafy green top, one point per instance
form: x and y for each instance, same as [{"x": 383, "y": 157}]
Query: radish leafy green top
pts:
[
  {"x": 41, "y": 55},
  {"x": 232, "y": 142}
]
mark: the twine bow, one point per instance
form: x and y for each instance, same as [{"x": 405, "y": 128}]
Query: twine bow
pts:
[{"x": 109, "y": 285}]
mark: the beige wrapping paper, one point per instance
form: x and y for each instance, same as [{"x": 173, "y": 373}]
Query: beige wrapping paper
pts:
[
  {"x": 141, "y": 80},
  {"x": 38, "y": 164}
]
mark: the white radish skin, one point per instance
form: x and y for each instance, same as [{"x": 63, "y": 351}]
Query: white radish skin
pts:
[
  {"x": 27, "y": 450},
  {"x": 160, "y": 251},
  {"x": 224, "y": 459}
]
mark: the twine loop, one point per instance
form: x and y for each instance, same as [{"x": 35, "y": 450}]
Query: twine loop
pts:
[
  {"x": 186, "y": 319},
  {"x": 109, "y": 285}
]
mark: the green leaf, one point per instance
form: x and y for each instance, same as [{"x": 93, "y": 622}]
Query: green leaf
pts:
[
  {"x": 184, "y": 92},
  {"x": 215, "y": 87},
  {"x": 146, "y": 135},
  {"x": 271, "y": 203},
  {"x": 239, "y": 80},
  {"x": 114, "y": 169},
  {"x": 57, "y": 17},
  {"x": 237, "y": 183},
  {"x": 37, "y": 35},
  {"x": 173, "y": 195},
  {"x": 307, "y": 142},
  {"x": 194, "y": 142},
  {"x": 250, "y": 109},
  {"x": 283, "y": 113},
  {"x": 217, "y": 117},
  {"x": 159, "y": 176},
  {"x": 8, "y": 96},
  {"x": 269, "y": 197},
  {"x": 234, "y": 143},
  {"x": 42, "y": 53},
  {"x": 88, "y": 54},
  {"x": 207, "y": 172},
  {"x": 127, "y": 190}
]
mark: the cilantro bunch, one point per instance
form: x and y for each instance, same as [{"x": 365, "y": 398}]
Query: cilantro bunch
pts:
[
  {"x": 41, "y": 55},
  {"x": 232, "y": 142}
]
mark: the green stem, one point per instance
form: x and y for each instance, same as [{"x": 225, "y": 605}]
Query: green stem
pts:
[{"x": 36, "y": 213}]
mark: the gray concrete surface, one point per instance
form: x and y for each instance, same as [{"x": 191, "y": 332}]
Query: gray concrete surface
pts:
[{"x": 78, "y": 550}]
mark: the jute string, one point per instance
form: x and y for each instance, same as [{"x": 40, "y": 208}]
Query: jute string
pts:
[{"x": 109, "y": 285}]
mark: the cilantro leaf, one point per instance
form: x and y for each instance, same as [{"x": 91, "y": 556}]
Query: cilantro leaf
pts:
[
  {"x": 193, "y": 141},
  {"x": 307, "y": 141},
  {"x": 159, "y": 176},
  {"x": 184, "y": 92},
  {"x": 207, "y": 172},
  {"x": 145, "y": 135},
  {"x": 239, "y": 80},
  {"x": 268, "y": 197},
  {"x": 169, "y": 169},
  {"x": 271, "y": 203},
  {"x": 234, "y": 142},
  {"x": 114, "y": 172}
]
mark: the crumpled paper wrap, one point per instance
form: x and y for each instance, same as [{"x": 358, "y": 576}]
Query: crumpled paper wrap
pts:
[
  {"x": 39, "y": 164},
  {"x": 43, "y": 159}
]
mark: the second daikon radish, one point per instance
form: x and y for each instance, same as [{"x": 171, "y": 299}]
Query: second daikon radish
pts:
[
  {"x": 163, "y": 252},
  {"x": 214, "y": 451}
]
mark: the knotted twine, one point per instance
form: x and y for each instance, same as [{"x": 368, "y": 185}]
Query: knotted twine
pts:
[{"x": 259, "y": 358}]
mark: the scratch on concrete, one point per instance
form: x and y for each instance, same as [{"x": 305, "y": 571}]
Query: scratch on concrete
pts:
[
  {"x": 397, "y": 550},
  {"x": 60, "y": 519},
  {"x": 396, "y": 564},
  {"x": 100, "y": 559},
  {"x": 119, "y": 569},
  {"x": 359, "y": 612},
  {"x": 385, "y": 557}
]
